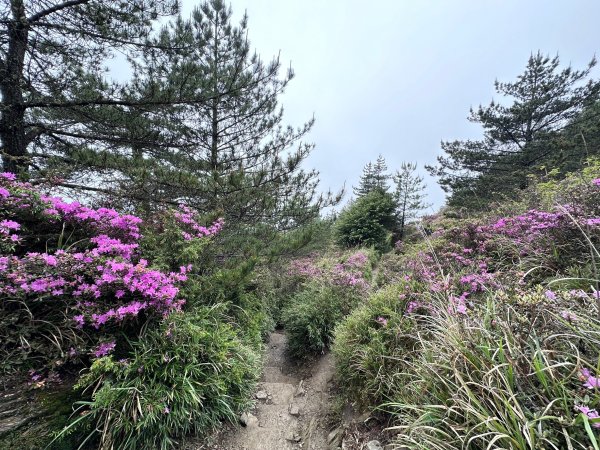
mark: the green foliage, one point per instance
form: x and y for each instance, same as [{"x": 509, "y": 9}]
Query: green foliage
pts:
[
  {"x": 409, "y": 196},
  {"x": 374, "y": 177},
  {"x": 545, "y": 115},
  {"x": 312, "y": 314},
  {"x": 512, "y": 367},
  {"x": 247, "y": 162},
  {"x": 162, "y": 243},
  {"x": 61, "y": 49},
  {"x": 184, "y": 377},
  {"x": 367, "y": 222},
  {"x": 230, "y": 286},
  {"x": 372, "y": 346},
  {"x": 496, "y": 382}
]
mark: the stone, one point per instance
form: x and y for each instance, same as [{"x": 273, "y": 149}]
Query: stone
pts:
[
  {"x": 293, "y": 437},
  {"x": 374, "y": 445},
  {"x": 294, "y": 410},
  {"x": 300, "y": 389},
  {"x": 247, "y": 419},
  {"x": 261, "y": 395}
]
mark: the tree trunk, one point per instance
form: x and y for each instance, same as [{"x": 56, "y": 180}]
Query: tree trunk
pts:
[
  {"x": 12, "y": 118},
  {"x": 214, "y": 147}
]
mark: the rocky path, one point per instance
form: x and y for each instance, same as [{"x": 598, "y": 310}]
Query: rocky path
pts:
[{"x": 292, "y": 403}]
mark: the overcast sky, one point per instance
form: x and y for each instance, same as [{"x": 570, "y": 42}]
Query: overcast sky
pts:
[{"x": 398, "y": 76}]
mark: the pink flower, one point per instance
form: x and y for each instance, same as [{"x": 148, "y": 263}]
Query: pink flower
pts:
[
  {"x": 34, "y": 376},
  {"x": 8, "y": 176},
  {"x": 104, "y": 349},
  {"x": 9, "y": 225},
  {"x": 382, "y": 321},
  {"x": 50, "y": 260},
  {"x": 458, "y": 305},
  {"x": 80, "y": 320},
  {"x": 590, "y": 413},
  {"x": 596, "y": 182},
  {"x": 412, "y": 306},
  {"x": 591, "y": 382}
]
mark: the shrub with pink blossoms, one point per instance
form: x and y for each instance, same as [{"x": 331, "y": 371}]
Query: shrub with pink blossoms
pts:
[
  {"x": 76, "y": 273},
  {"x": 351, "y": 270}
]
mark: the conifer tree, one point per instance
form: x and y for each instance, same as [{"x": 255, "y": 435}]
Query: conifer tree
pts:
[
  {"x": 409, "y": 195},
  {"x": 520, "y": 132},
  {"x": 374, "y": 176},
  {"x": 366, "y": 182},
  {"x": 244, "y": 160},
  {"x": 380, "y": 175},
  {"x": 52, "y": 80}
]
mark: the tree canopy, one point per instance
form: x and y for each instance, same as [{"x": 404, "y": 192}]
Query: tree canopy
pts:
[{"x": 520, "y": 131}]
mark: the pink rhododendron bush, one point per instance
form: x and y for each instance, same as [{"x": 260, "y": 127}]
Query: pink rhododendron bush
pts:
[
  {"x": 317, "y": 292},
  {"x": 97, "y": 296},
  {"x": 485, "y": 332},
  {"x": 73, "y": 277}
]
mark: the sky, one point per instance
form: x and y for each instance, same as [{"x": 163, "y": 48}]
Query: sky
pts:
[{"x": 396, "y": 77}]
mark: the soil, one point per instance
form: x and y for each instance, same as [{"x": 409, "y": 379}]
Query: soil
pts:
[{"x": 293, "y": 401}]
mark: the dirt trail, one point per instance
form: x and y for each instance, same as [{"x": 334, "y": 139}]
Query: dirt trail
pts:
[{"x": 292, "y": 403}]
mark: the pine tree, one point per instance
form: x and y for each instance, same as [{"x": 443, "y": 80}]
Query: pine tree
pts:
[
  {"x": 246, "y": 163},
  {"x": 366, "y": 182},
  {"x": 380, "y": 175},
  {"x": 409, "y": 195},
  {"x": 52, "y": 80},
  {"x": 374, "y": 177},
  {"x": 520, "y": 132}
]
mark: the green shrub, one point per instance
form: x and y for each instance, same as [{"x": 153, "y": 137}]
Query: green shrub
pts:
[
  {"x": 371, "y": 346},
  {"x": 184, "y": 377},
  {"x": 313, "y": 313},
  {"x": 367, "y": 222}
]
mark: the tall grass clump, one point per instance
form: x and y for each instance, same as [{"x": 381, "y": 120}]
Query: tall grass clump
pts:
[
  {"x": 184, "y": 377},
  {"x": 313, "y": 314},
  {"x": 371, "y": 346},
  {"x": 319, "y": 293},
  {"x": 515, "y": 375}
]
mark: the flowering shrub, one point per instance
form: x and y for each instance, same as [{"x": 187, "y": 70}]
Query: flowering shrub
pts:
[
  {"x": 352, "y": 269},
  {"x": 99, "y": 293},
  {"x": 320, "y": 292},
  {"x": 484, "y": 334},
  {"x": 70, "y": 274},
  {"x": 190, "y": 228}
]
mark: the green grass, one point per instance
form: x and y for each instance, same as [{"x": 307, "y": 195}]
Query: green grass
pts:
[{"x": 184, "y": 378}]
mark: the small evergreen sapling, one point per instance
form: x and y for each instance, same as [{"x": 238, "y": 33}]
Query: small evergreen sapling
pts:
[{"x": 409, "y": 195}]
